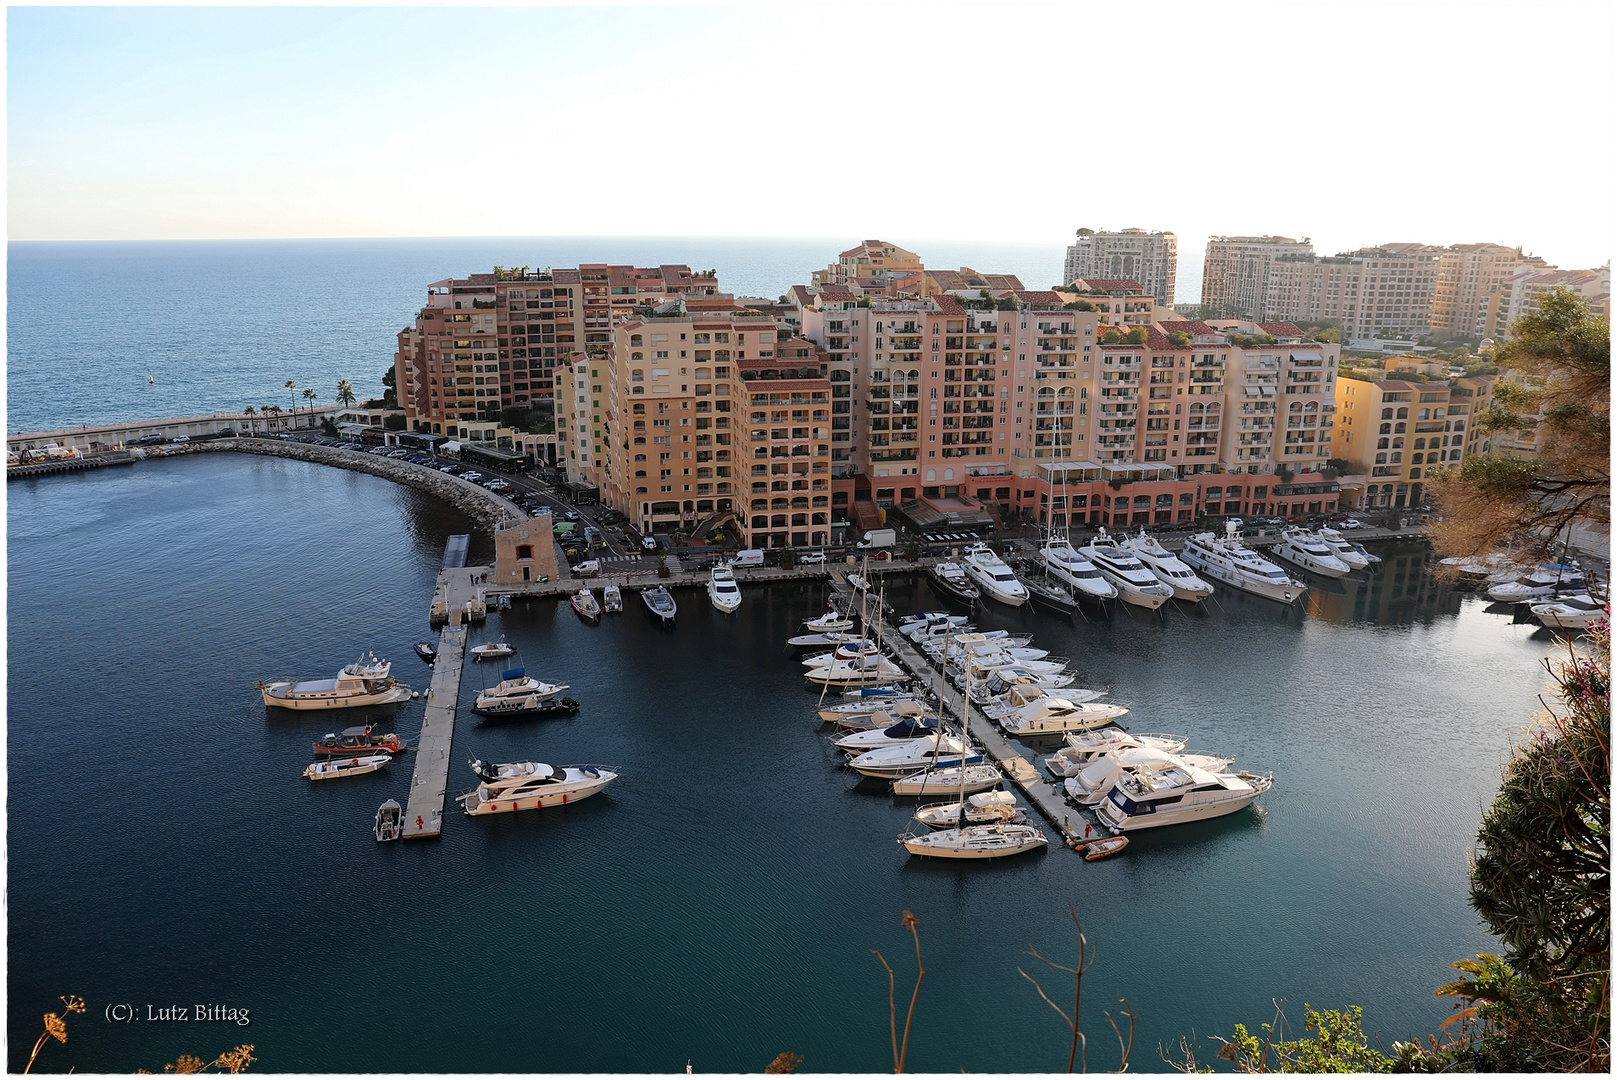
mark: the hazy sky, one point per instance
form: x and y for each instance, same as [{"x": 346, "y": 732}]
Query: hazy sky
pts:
[{"x": 1352, "y": 124}]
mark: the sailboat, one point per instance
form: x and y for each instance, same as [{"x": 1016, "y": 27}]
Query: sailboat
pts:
[{"x": 966, "y": 841}]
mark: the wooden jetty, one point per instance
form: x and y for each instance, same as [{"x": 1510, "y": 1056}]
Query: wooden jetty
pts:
[
  {"x": 424, "y": 816},
  {"x": 1018, "y": 769},
  {"x": 72, "y": 464}
]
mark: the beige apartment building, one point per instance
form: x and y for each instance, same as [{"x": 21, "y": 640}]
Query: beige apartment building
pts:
[
  {"x": 1150, "y": 258},
  {"x": 869, "y": 267},
  {"x": 1467, "y": 275},
  {"x": 489, "y": 342},
  {"x": 1521, "y": 292},
  {"x": 1236, "y": 270}
]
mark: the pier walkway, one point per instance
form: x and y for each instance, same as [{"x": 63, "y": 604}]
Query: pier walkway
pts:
[
  {"x": 424, "y": 816},
  {"x": 1017, "y": 768}
]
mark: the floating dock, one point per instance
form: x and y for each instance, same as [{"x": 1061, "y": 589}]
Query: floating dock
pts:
[
  {"x": 1018, "y": 769},
  {"x": 424, "y": 816}
]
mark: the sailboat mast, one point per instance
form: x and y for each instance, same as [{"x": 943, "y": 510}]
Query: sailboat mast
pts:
[{"x": 965, "y": 716}]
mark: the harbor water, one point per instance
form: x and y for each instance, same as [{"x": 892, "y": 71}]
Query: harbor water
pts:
[{"x": 720, "y": 902}]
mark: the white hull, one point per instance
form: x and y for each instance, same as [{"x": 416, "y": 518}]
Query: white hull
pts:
[
  {"x": 992, "y": 577},
  {"x": 1135, "y": 584},
  {"x": 1221, "y": 567},
  {"x": 1197, "y": 812},
  {"x": 1176, "y": 795},
  {"x": 1323, "y": 565},
  {"x": 1079, "y": 718},
  {"x": 1082, "y": 578},
  {"x": 976, "y": 842},
  {"x": 285, "y": 695},
  {"x": 947, "y": 781},
  {"x": 337, "y": 768},
  {"x": 483, "y": 801}
]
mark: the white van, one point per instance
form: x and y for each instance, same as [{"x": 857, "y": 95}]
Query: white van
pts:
[{"x": 748, "y": 557}]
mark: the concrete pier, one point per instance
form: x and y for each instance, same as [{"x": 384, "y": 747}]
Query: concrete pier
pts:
[
  {"x": 1017, "y": 768},
  {"x": 424, "y": 816}
]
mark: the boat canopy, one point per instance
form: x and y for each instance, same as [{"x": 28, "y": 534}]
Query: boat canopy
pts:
[{"x": 513, "y": 673}]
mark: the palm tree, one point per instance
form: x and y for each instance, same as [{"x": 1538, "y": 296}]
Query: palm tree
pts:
[
  {"x": 309, "y": 395},
  {"x": 345, "y": 393},
  {"x": 292, "y": 388},
  {"x": 249, "y": 412},
  {"x": 273, "y": 410}
]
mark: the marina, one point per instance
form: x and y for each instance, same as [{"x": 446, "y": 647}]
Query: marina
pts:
[
  {"x": 424, "y": 812},
  {"x": 706, "y": 721}
]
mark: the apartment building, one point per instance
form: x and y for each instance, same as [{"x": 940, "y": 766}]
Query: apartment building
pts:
[
  {"x": 1467, "y": 275},
  {"x": 1395, "y": 431},
  {"x": 965, "y": 283},
  {"x": 1520, "y": 293},
  {"x": 1236, "y": 270},
  {"x": 1121, "y": 302},
  {"x": 1150, "y": 258},
  {"x": 578, "y": 430},
  {"x": 868, "y": 267},
  {"x": 490, "y": 342}
]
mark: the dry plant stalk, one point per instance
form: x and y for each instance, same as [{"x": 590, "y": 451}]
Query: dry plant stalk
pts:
[
  {"x": 56, "y": 1026},
  {"x": 784, "y": 1062},
  {"x": 910, "y": 922},
  {"x": 1086, "y": 959},
  {"x": 231, "y": 1061}
]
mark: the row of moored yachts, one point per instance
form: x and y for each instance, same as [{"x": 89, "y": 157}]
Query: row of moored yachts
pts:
[
  {"x": 1559, "y": 595},
  {"x": 1130, "y": 782},
  {"x": 1138, "y": 570}
]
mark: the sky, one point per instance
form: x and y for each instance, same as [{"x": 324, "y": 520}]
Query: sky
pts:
[{"x": 1352, "y": 124}]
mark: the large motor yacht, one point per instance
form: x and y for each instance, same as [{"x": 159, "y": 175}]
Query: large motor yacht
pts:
[
  {"x": 951, "y": 581},
  {"x": 1092, "y": 783},
  {"x": 518, "y": 693},
  {"x": 1134, "y": 583},
  {"x": 1349, "y": 552},
  {"x": 1304, "y": 549},
  {"x": 367, "y": 681},
  {"x": 1172, "y": 796},
  {"x": 1232, "y": 562},
  {"x": 990, "y": 574},
  {"x": 1084, "y": 748},
  {"x": 1078, "y": 572},
  {"x": 1167, "y": 567},
  {"x": 722, "y": 589},
  {"x": 531, "y": 785},
  {"x": 1055, "y": 715}
]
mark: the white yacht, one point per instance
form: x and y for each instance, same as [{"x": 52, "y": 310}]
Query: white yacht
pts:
[
  {"x": 1175, "y": 795},
  {"x": 906, "y": 730},
  {"x": 831, "y": 622},
  {"x": 518, "y": 693},
  {"x": 1232, "y": 562},
  {"x": 1304, "y": 549},
  {"x": 1167, "y": 567},
  {"x": 1541, "y": 584},
  {"x": 949, "y": 781},
  {"x": 492, "y": 650},
  {"x": 1134, "y": 583},
  {"x": 1349, "y": 552},
  {"x": 1076, "y": 571},
  {"x": 337, "y": 768},
  {"x": 1085, "y": 747},
  {"x": 1056, "y": 715},
  {"x": 531, "y": 785},
  {"x": 1577, "y": 612},
  {"x": 367, "y": 681},
  {"x": 660, "y": 602},
  {"x": 938, "y": 751},
  {"x": 981, "y": 809},
  {"x": 990, "y": 574},
  {"x": 722, "y": 589},
  {"x": 952, "y": 581},
  {"x": 852, "y": 650},
  {"x": 860, "y": 671},
  {"x": 612, "y": 599},
  {"x": 1094, "y": 781},
  {"x": 976, "y": 841}
]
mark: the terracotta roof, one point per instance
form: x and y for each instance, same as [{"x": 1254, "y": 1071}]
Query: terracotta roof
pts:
[
  {"x": 1192, "y": 327},
  {"x": 801, "y": 294},
  {"x": 1112, "y": 284},
  {"x": 948, "y": 304},
  {"x": 836, "y": 293},
  {"x": 478, "y": 279},
  {"x": 1281, "y": 329},
  {"x": 1003, "y": 281},
  {"x": 1037, "y": 297},
  {"x": 1394, "y": 384}
]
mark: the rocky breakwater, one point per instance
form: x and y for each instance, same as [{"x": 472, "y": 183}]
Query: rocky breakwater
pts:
[{"x": 489, "y": 510}]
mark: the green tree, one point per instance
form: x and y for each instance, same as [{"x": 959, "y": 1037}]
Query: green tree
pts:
[
  {"x": 1561, "y": 397},
  {"x": 292, "y": 389},
  {"x": 309, "y": 395},
  {"x": 1111, "y": 337},
  {"x": 274, "y": 411},
  {"x": 1541, "y": 880},
  {"x": 249, "y": 412},
  {"x": 394, "y": 422},
  {"x": 1138, "y": 335},
  {"x": 345, "y": 393},
  {"x": 390, "y": 393},
  {"x": 1337, "y": 467}
]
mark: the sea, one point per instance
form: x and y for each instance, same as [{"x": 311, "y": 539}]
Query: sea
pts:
[
  {"x": 185, "y": 328},
  {"x": 735, "y": 894}
]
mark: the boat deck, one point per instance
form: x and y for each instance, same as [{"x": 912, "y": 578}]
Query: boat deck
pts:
[
  {"x": 424, "y": 816},
  {"x": 1017, "y": 768}
]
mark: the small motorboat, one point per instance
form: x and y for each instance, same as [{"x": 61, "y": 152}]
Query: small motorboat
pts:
[
  {"x": 612, "y": 599},
  {"x": 588, "y": 608},
  {"x": 1099, "y": 849},
  {"x": 504, "y": 603},
  {"x": 337, "y": 768},
  {"x": 358, "y": 741},
  {"x": 491, "y": 650},
  {"x": 660, "y": 603},
  {"x": 389, "y": 822},
  {"x": 427, "y": 651},
  {"x": 832, "y": 621},
  {"x": 815, "y": 641}
]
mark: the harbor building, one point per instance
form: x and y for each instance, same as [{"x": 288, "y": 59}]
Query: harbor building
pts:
[{"x": 1150, "y": 258}]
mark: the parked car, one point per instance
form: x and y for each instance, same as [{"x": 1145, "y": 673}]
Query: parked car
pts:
[
  {"x": 811, "y": 558},
  {"x": 1351, "y": 523},
  {"x": 399, "y": 453},
  {"x": 571, "y": 515},
  {"x": 473, "y": 476},
  {"x": 648, "y": 543}
]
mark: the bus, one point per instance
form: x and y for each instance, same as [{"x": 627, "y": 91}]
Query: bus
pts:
[{"x": 489, "y": 458}]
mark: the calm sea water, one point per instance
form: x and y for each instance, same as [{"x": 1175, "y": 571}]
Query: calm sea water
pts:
[
  {"x": 116, "y": 332},
  {"x": 720, "y": 902}
]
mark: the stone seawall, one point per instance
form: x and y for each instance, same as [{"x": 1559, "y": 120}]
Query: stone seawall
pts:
[{"x": 489, "y": 510}]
